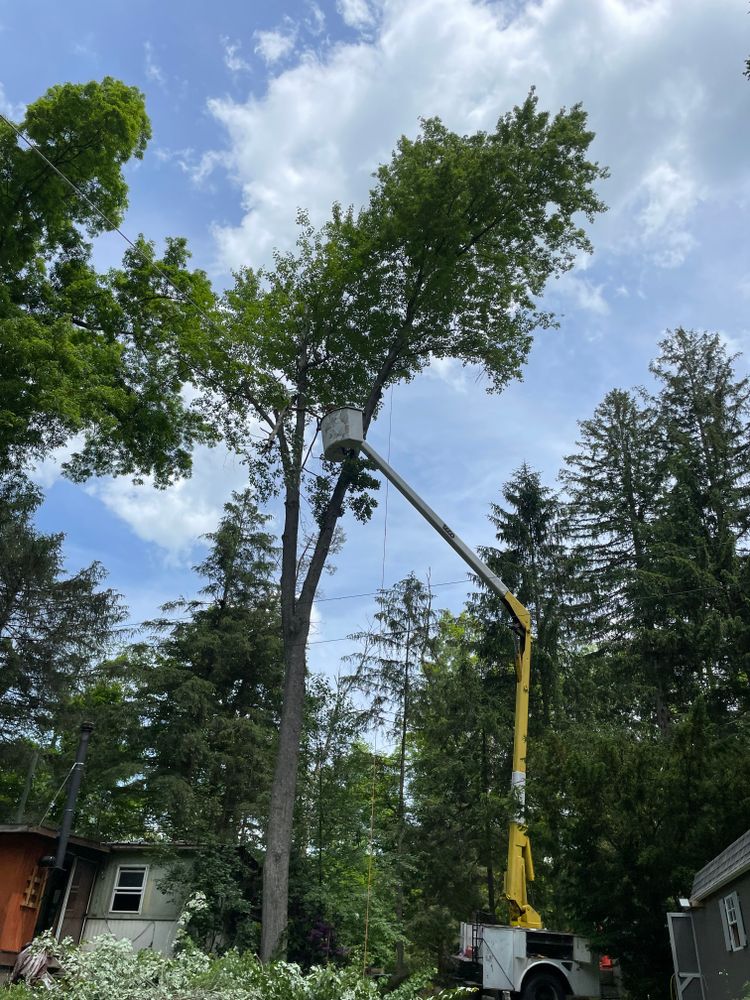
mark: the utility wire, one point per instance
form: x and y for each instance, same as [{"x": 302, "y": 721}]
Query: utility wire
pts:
[
  {"x": 140, "y": 249},
  {"x": 147, "y": 257}
]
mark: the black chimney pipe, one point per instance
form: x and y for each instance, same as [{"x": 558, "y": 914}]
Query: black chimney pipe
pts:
[
  {"x": 73, "y": 788},
  {"x": 55, "y": 880}
]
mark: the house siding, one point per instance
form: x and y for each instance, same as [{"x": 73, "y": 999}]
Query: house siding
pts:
[
  {"x": 725, "y": 973},
  {"x": 155, "y": 926}
]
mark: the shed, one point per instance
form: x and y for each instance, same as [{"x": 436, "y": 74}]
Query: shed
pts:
[
  {"x": 710, "y": 936},
  {"x": 24, "y": 851},
  {"x": 104, "y": 888}
]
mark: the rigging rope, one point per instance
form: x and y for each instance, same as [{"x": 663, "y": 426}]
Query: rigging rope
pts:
[
  {"x": 369, "y": 864},
  {"x": 63, "y": 784},
  {"x": 375, "y": 742}
]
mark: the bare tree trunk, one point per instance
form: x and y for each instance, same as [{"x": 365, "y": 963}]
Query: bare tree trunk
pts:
[
  {"x": 295, "y": 616},
  {"x": 281, "y": 811},
  {"x": 489, "y": 846}
]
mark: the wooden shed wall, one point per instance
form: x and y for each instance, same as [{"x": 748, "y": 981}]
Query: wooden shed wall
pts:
[{"x": 19, "y": 855}]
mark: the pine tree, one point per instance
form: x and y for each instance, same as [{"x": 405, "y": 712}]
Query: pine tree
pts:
[
  {"x": 212, "y": 687},
  {"x": 534, "y": 562},
  {"x": 389, "y": 671},
  {"x": 703, "y": 520},
  {"x": 614, "y": 482}
]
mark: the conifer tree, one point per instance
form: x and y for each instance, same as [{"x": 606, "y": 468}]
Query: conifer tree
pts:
[
  {"x": 534, "y": 562},
  {"x": 212, "y": 689},
  {"x": 703, "y": 520},
  {"x": 389, "y": 671}
]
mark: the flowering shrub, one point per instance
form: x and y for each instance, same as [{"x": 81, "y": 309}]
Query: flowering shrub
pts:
[{"x": 109, "y": 969}]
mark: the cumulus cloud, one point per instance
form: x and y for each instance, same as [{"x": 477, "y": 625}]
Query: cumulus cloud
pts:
[
  {"x": 355, "y": 13},
  {"x": 668, "y": 196},
  {"x": 272, "y": 46},
  {"x": 661, "y": 82},
  {"x": 175, "y": 519}
]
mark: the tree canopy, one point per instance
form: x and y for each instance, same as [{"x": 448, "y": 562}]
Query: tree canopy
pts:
[{"x": 84, "y": 353}]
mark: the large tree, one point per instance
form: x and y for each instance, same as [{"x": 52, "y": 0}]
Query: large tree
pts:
[
  {"x": 389, "y": 670},
  {"x": 54, "y": 628},
  {"x": 446, "y": 260},
  {"x": 211, "y": 687},
  {"x": 84, "y": 353}
]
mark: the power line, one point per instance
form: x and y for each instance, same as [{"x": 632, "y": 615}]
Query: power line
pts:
[{"x": 140, "y": 249}]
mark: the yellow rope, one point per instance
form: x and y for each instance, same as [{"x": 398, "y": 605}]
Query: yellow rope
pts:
[{"x": 369, "y": 866}]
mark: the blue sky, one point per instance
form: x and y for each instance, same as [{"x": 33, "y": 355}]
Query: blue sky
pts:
[{"x": 263, "y": 107}]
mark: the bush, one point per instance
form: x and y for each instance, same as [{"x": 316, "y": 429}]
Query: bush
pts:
[{"x": 109, "y": 969}]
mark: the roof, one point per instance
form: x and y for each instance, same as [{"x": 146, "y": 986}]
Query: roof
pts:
[
  {"x": 151, "y": 845},
  {"x": 725, "y": 866},
  {"x": 51, "y": 834}
]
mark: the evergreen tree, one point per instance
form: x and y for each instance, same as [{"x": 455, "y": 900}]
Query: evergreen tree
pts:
[
  {"x": 614, "y": 482},
  {"x": 535, "y": 564},
  {"x": 212, "y": 688},
  {"x": 389, "y": 672},
  {"x": 460, "y": 764},
  {"x": 703, "y": 522},
  {"x": 54, "y": 628}
]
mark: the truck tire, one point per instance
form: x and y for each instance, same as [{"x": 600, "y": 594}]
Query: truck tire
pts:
[{"x": 543, "y": 986}]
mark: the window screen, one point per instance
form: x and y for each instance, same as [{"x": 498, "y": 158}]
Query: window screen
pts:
[{"x": 129, "y": 886}]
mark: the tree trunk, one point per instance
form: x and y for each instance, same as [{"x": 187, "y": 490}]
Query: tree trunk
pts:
[
  {"x": 281, "y": 810},
  {"x": 31, "y": 771},
  {"x": 489, "y": 846}
]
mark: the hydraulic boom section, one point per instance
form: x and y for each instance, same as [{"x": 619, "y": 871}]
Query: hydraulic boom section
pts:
[{"x": 342, "y": 436}]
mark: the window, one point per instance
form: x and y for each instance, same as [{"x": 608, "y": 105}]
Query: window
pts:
[
  {"x": 731, "y": 918},
  {"x": 130, "y": 883}
]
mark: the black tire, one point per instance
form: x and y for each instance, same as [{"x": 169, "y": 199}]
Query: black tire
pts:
[{"x": 543, "y": 986}]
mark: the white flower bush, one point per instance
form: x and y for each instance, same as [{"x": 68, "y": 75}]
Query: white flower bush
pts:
[{"x": 109, "y": 969}]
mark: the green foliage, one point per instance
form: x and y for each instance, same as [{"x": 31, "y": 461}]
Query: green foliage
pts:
[
  {"x": 111, "y": 970},
  {"x": 54, "y": 627},
  {"x": 80, "y": 352},
  {"x": 211, "y": 690},
  {"x": 460, "y": 767}
]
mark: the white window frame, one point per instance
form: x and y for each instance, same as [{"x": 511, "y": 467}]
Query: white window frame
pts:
[
  {"x": 735, "y": 937},
  {"x": 129, "y": 890}
]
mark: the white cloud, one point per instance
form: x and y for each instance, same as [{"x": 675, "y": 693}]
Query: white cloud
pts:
[
  {"x": 355, "y": 13},
  {"x": 13, "y": 111},
  {"x": 273, "y": 46},
  {"x": 451, "y": 372},
  {"x": 175, "y": 518},
  {"x": 47, "y": 471},
  {"x": 152, "y": 69},
  {"x": 315, "y": 22},
  {"x": 661, "y": 81},
  {"x": 586, "y": 294},
  {"x": 232, "y": 60}
]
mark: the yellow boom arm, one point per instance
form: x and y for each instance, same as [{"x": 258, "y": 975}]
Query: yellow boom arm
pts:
[{"x": 343, "y": 435}]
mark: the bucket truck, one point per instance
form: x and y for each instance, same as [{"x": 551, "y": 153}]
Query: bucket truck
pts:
[{"x": 521, "y": 959}]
